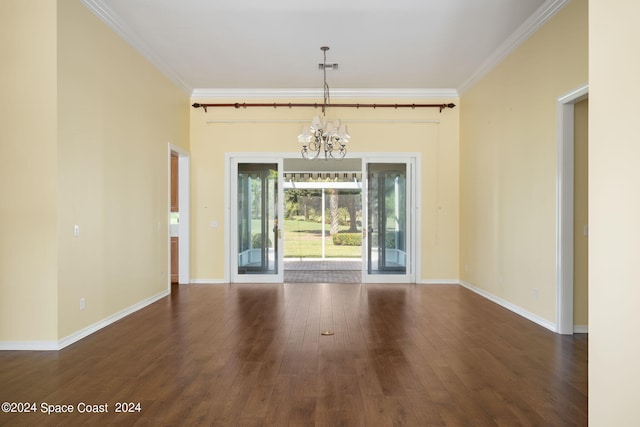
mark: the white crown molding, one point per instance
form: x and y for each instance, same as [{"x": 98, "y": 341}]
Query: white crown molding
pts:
[
  {"x": 519, "y": 36},
  {"x": 114, "y": 22},
  {"x": 529, "y": 27},
  {"x": 202, "y": 93}
]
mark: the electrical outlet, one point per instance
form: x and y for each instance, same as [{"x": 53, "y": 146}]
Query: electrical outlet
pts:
[
  {"x": 535, "y": 294},
  {"x": 82, "y": 304},
  {"x": 76, "y": 230}
]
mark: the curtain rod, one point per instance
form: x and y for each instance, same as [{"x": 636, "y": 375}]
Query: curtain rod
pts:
[
  {"x": 316, "y": 105},
  {"x": 305, "y": 121}
]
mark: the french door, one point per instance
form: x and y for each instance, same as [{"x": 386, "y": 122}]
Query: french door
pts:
[
  {"x": 388, "y": 247},
  {"x": 256, "y": 211},
  {"x": 256, "y": 208}
]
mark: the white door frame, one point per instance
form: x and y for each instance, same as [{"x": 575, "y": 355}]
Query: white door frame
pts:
[
  {"x": 231, "y": 242},
  {"x": 564, "y": 207},
  {"x": 414, "y": 215},
  {"x": 184, "y": 190},
  {"x": 412, "y": 232}
]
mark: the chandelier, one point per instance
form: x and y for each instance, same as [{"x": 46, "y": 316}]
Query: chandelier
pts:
[{"x": 328, "y": 138}]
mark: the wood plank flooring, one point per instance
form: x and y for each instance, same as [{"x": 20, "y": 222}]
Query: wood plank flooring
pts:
[{"x": 253, "y": 355}]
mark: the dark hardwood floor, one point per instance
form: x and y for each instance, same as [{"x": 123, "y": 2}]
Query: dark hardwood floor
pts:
[{"x": 253, "y": 355}]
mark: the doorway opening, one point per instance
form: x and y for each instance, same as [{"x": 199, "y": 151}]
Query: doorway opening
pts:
[
  {"x": 322, "y": 221},
  {"x": 179, "y": 216},
  {"x": 568, "y": 223}
]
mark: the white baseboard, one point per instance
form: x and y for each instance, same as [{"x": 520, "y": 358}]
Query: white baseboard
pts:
[
  {"x": 28, "y": 345},
  {"x": 421, "y": 282},
  {"x": 77, "y": 336},
  {"x": 512, "y": 307},
  {"x": 208, "y": 282},
  {"x": 580, "y": 329},
  {"x": 438, "y": 282}
]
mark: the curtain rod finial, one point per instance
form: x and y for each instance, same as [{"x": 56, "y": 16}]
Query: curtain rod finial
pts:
[{"x": 196, "y": 105}]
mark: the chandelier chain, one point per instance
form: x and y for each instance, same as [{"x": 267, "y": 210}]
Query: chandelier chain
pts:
[
  {"x": 323, "y": 137},
  {"x": 326, "y": 98}
]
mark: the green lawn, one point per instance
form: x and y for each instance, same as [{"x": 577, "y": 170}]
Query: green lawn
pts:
[{"x": 303, "y": 239}]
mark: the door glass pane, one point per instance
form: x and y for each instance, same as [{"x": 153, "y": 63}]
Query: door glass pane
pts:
[
  {"x": 257, "y": 218},
  {"x": 387, "y": 218}
]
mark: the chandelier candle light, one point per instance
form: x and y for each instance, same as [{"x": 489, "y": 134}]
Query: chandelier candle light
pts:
[{"x": 329, "y": 138}]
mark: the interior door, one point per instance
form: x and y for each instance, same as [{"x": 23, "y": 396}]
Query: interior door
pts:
[
  {"x": 388, "y": 247},
  {"x": 256, "y": 207}
]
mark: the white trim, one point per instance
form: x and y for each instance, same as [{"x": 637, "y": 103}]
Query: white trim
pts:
[
  {"x": 184, "y": 202},
  {"x": 28, "y": 345},
  {"x": 417, "y": 214},
  {"x": 231, "y": 220},
  {"x": 564, "y": 207},
  {"x": 204, "y": 93},
  {"x": 519, "y": 36},
  {"x": 209, "y": 282},
  {"x": 115, "y": 22},
  {"x": 438, "y": 282},
  {"x": 287, "y": 185},
  {"x": 227, "y": 218},
  {"x": 511, "y": 307},
  {"x": 529, "y": 27},
  {"x": 184, "y": 233},
  {"x": 76, "y": 336},
  {"x": 576, "y": 95},
  {"x": 581, "y": 329},
  {"x": 414, "y": 158},
  {"x": 82, "y": 333},
  {"x": 413, "y": 235}
]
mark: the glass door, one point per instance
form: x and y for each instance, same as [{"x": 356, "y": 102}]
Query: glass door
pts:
[
  {"x": 388, "y": 247},
  {"x": 255, "y": 211}
]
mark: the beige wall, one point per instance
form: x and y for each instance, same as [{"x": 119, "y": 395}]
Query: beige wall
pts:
[
  {"x": 86, "y": 127},
  {"x": 614, "y": 212},
  {"x": 506, "y": 180},
  {"x": 436, "y": 142},
  {"x": 117, "y": 114},
  {"x": 508, "y": 165},
  {"x": 28, "y": 171},
  {"x": 581, "y": 215}
]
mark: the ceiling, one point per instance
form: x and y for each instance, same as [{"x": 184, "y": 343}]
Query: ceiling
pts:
[{"x": 380, "y": 45}]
